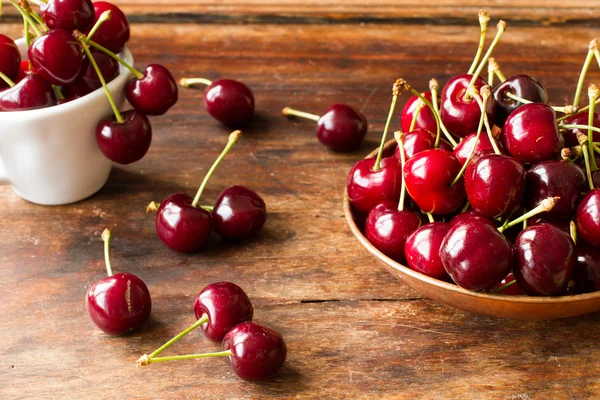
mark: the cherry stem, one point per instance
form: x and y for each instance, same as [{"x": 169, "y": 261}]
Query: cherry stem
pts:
[
  {"x": 510, "y": 95},
  {"x": 546, "y": 205},
  {"x": 153, "y": 206},
  {"x": 486, "y": 95},
  {"x": 413, "y": 123},
  {"x": 124, "y": 63},
  {"x": 26, "y": 16},
  {"x": 143, "y": 361},
  {"x": 593, "y": 94},
  {"x": 573, "y": 231},
  {"x": 438, "y": 121},
  {"x": 484, "y": 19},
  {"x": 39, "y": 20},
  {"x": 292, "y": 112},
  {"x": 233, "y": 138},
  {"x": 396, "y": 91},
  {"x": 187, "y": 82},
  {"x": 494, "y": 69},
  {"x": 105, "y": 16},
  {"x": 501, "y": 28},
  {"x": 106, "y": 239},
  {"x": 466, "y": 207},
  {"x": 6, "y": 79},
  {"x": 588, "y": 169},
  {"x": 471, "y": 154},
  {"x": 504, "y": 287},
  {"x": 26, "y": 33},
  {"x": 586, "y": 65},
  {"x": 399, "y": 138},
  {"x": 57, "y": 92},
  {"x": 525, "y": 221},
  {"x": 430, "y": 217},
  {"x": 175, "y": 339}
]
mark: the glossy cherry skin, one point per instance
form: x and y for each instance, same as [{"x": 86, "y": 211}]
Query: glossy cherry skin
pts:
[
  {"x": 570, "y": 135},
  {"x": 387, "y": 229},
  {"x": 32, "y": 92},
  {"x": 69, "y": 15},
  {"x": 24, "y": 70},
  {"x": 238, "y": 213},
  {"x": 471, "y": 214},
  {"x": 523, "y": 86},
  {"x": 367, "y": 188},
  {"x": 476, "y": 255},
  {"x": 226, "y": 306},
  {"x": 420, "y": 140},
  {"x": 229, "y": 102},
  {"x": 180, "y": 226},
  {"x": 114, "y": 33},
  {"x": 56, "y": 56},
  {"x": 531, "y": 133},
  {"x": 258, "y": 352},
  {"x": 460, "y": 116},
  {"x": 514, "y": 290},
  {"x": 425, "y": 119},
  {"x": 554, "y": 178},
  {"x": 10, "y": 59},
  {"x": 125, "y": 142},
  {"x": 422, "y": 250},
  {"x": 588, "y": 218},
  {"x": 119, "y": 303},
  {"x": 544, "y": 260},
  {"x": 586, "y": 272},
  {"x": 484, "y": 146},
  {"x": 88, "y": 80},
  {"x": 155, "y": 93},
  {"x": 341, "y": 128},
  {"x": 428, "y": 176},
  {"x": 563, "y": 225},
  {"x": 495, "y": 185}
]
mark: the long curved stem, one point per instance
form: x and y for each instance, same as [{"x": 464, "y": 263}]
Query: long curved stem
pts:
[
  {"x": 399, "y": 138},
  {"x": 106, "y": 238},
  {"x": 593, "y": 94},
  {"x": 514, "y": 97},
  {"x": 484, "y": 18},
  {"x": 6, "y": 79},
  {"x": 395, "y": 93},
  {"x": 545, "y": 206},
  {"x": 588, "y": 169},
  {"x": 288, "y": 111},
  {"x": 471, "y": 154},
  {"x": 105, "y": 16},
  {"x": 124, "y": 63},
  {"x": 175, "y": 339},
  {"x": 438, "y": 120},
  {"x": 26, "y": 16},
  {"x": 145, "y": 361},
  {"x": 413, "y": 123},
  {"x": 485, "y": 119},
  {"x": 584, "y": 70}
]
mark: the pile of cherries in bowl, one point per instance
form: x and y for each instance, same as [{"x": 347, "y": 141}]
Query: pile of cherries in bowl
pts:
[
  {"x": 503, "y": 188},
  {"x": 73, "y": 49}
]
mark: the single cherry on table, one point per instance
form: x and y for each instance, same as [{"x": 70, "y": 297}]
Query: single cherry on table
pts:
[{"x": 238, "y": 213}]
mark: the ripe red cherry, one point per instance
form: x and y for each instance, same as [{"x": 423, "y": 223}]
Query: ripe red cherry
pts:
[
  {"x": 495, "y": 185},
  {"x": 428, "y": 176},
  {"x": 69, "y": 15},
  {"x": 124, "y": 142},
  {"x": 588, "y": 218},
  {"x": 484, "y": 146},
  {"x": 422, "y": 250},
  {"x": 366, "y": 188},
  {"x": 88, "y": 80},
  {"x": 10, "y": 59},
  {"x": 514, "y": 290},
  {"x": 257, "y": 352},
  {"x": 238, "y": 213},
  {"x": 531, "y": 133},
  {"x": 24, "y": 70},
  {"x": 154, "y": 93},
  {"x": 586, "y": 272},
  {"x": 544, "y": 260},
  {"x": 425, "y": 119},
  {"x": 181, "y": 226},
  {"x": 420, "y": 140},
  {"x": 387, "y": 229},
  {"x": 476, "y": 255},
  {"x": 30, "y": 93},
  {"x": 56, "y": 56},
  {"x": 471, "y": 214},
  {"x": 555, "y": 178},
  {"x": 459, "y": 115},
  {"x": 114, "y": 33},
  {"x": 523, "y": 86},
  {"x": 570, "y": 135},
  {"x": 226, "y": 305},
  {"x": 229, "y": 102},
  {"x": 563, "y": 225},
  {"x": 341, "y": 128}
]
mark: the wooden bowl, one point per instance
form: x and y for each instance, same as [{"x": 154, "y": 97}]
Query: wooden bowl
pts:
[{"x": 499, "y": 306}]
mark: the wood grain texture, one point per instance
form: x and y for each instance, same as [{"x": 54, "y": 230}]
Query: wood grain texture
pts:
[{"x": 353, "y": 330}]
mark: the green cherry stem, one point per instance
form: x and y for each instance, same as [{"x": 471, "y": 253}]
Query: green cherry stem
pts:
[
  {"x": 494, "y": 69},
  {"x": 579, "y": 126},
  {"x": 6, "y": 79},
  {"x": 567, "y": 109},
  {"x": 175, "y": 339},
  {"x": 573, "y": 231},
  {"x": 153, "y": 206},
  {"x": 233, "y": 138},
  {"x": 105, "y": 16},
  {"x": 588, "y": 169},
  {"x": 396, "y": 91},
  {"x": 81, "y": 38},
  {"x": 486, "y": 93},
  {"x": 145, "y": 361},
  {"x": 430, "y": 217},
  {"x": 584, "y": 69},
  {"x": 504, "y": 287},
  {"x": 399, "y": 136},
  {"x": 124, "y": 63},
  {"x": 593, "y": 94},
  {"x": 58, "y": 92},
  {"x": 289, "y": 112},
  {"x": 413, "y": 123},
  {"x": 546, "y": 205},
  {"x": 434, "y": 88},
  {"x": 26, "y": 16},
  {"x": 26, "y": 33},
  {"x": 106, "y": 239},
  {"x": 484, "y": 19},
  {"x": 188, "y": 82},
  {"x": 466, "y": 207}
]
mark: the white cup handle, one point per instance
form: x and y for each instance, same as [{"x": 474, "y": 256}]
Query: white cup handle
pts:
[{"x": 3, "y": 177}]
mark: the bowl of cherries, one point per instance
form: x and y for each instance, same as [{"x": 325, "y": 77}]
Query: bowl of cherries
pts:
[
  {"x": 62, "y": 90},
  {"x": 488, "y": 199}
]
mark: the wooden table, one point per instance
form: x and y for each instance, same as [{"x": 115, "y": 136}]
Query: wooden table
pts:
[{"x": 353, "y": 331}]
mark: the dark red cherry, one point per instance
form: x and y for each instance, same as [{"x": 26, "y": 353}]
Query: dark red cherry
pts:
[
  {"x": 154, "y": 93},
  {"x": 422, "y": 250},
  {"x": 341, "y": 128},
  {"x": 226, "y": 305},
  {"x": 366, "y": 188},
  {"x": 544, "y": 260},
  {"x": 553, "y": 178},
  {"x": 114, "y": 33},
  {"x": 124, "y": 142},
  {"x": 30, "y": 93},
  {"x": 484, "y": 146},
  {"x": 10, "y": 59},
  {"x": 69, "y": 15},
  {"x": 229, "y": 102},
  {"x": 420, "y": 140},
  {"x": 586, "y": 272},
  {"x": 531, "y": 133},
  {"x": 387, "y": 229},
  {"x": 428, "y": 176},
  {"x": 495, "y": 185},
  {"x": 24, "y": 70},
  {"x": 257, "y": 352},
  {"x": 475, "y": 254},
  {"x": 514, "y": 290},
  {"x": 238, "y": 213},
  {"x": 588, "y": 218},
  {"x": 119, "y": 303},
  {"x": 56, "y": 56},
  {"x": 425, "y": 119},
  {"x": 471, "y": 214},
  {"x": 523, "y": 86},
  {"x": 570, "y": 135},
  {"x": 563, "y": 225},
  {"x": 181, "y": 226},
  {"x": 461, "y": 116},
  {"x": 88, "y": 80}
]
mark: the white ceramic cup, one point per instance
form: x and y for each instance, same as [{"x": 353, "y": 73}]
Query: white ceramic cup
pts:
[{"x": 49, "y": 156}]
